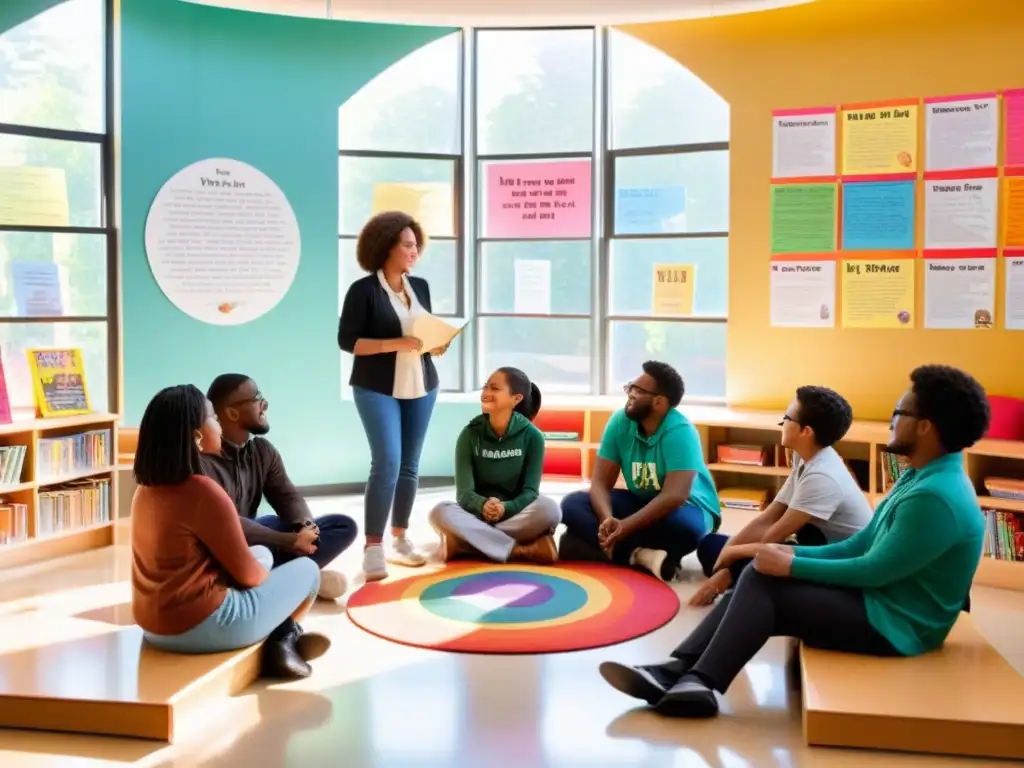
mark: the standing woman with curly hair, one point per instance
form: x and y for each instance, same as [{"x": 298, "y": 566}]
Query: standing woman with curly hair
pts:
[{"x": 394, "y": 381}]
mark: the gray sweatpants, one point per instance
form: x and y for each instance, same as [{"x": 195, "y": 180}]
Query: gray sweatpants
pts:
[{"x": 497, "y": 541}]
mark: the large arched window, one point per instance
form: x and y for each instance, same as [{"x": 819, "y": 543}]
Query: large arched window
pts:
[
  {"x": 592, "y": 163},
  {"x": 400, "y": 140},
  {"x": 56, "y": 229},
  {"x": 667, "y": 200}
]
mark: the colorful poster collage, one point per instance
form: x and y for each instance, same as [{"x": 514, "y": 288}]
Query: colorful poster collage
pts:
[{"x": 849, "y": 185}]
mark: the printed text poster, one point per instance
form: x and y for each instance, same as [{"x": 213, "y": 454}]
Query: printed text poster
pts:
[
  {"x": 960, "y": 213},
  {"x": 959, "y": 293},
  {"x": 878, "y": 293},
  {"x": 673, "y": 290},
  {"x": 880, "y": 139},
  {"x": 804, "y": 143},
  {"x": 961, "y": 132},
  {"x": 803, "y": 218},
  {"x": 803, "y": 294},
  {"x": 878, "y": 216}
]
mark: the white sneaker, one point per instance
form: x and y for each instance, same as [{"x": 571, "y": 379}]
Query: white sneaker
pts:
[
  {"x": 374, "y": 566},
  {"x": 403, "y": 552},
  {"x": 648, "y": 559},
  {"x": 332, "y": 585}
]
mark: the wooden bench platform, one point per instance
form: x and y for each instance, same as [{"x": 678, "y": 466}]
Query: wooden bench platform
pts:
[
  {"x": 62, "y": 673},
  {"x": 964, "y": 699}
]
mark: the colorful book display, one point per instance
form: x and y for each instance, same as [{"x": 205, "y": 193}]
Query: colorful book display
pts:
[{"x": 58, "y": 381}]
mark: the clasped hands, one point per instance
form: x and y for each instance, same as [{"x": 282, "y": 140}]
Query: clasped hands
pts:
[
  {"x": 611, "y": 531},
  {"x": 493, "y": 510},
  {"x": 305, "y": 538}
]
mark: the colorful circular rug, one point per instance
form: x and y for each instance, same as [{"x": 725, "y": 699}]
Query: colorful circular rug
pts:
[{"x": 492, "y": 608}]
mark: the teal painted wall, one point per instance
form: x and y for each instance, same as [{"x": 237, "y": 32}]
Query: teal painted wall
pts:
[
  {"x": 201, "y": 82},
  {"x": 15, "y": 12}
]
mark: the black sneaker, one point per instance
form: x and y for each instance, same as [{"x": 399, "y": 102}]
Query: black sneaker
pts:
[
  {"x": 572, "y": 548},
  {"x": 690, "y": 697},
  {"x": 648, "y": 683}
]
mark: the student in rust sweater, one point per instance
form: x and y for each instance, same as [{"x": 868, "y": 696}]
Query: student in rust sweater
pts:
[{"x": 196, "y": 586}]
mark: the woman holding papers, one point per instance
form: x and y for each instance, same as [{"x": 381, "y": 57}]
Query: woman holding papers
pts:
[
  {"x": 499, "y": 458},
  {"x": 394, "y": 381}
]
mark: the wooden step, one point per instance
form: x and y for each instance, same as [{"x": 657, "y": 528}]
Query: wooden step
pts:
[
  {"x": 60, "y": 673},
  {"x": 964, "y": 699}
]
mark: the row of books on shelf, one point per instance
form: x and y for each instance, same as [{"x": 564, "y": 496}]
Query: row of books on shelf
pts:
[
  {"x": 70, "y": 507},
  {"x": 12, "y": 460},
  {"x": 58, "y": 456},
  {"x": 1004, "y": 539}
]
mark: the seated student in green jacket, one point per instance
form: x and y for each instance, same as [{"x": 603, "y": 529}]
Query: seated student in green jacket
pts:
[
  {"x": 893, "y": 589},
  {"x": 499, "y": 457}
]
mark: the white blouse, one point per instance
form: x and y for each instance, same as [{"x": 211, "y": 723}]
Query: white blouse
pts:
[{"x": 409, "y": 383}]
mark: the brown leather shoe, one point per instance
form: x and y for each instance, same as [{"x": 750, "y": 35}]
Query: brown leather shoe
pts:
[
  {"x": 312, "y": 645},
  {"x": 542, "y": 551}
]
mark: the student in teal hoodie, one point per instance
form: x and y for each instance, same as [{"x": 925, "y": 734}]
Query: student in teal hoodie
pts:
[
  {"x": 499, "y": 458},
  {"x": 669, "y": 503},
  {"x": 895, "y": 588}
]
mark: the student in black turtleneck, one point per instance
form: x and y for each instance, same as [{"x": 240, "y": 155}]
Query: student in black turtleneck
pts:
[{"x": 249, "y": 468}]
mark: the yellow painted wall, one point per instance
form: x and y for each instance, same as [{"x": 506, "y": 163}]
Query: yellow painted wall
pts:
[{"x": 835, "y": 52}]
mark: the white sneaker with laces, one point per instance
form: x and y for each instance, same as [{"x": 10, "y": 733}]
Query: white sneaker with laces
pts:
[
  {"x": 648, "y": 559},
  {"x": 374, "y": 566},
  {"x": 332, "y": 585},
  {"x": 404, "y": 552}
]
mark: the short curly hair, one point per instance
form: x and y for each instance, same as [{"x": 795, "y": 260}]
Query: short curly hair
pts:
[
  {"x": 382, "y": 233},
  {"x": 668, "y": 381},
  {"x": 954, "y": 402},
  {"x": 826, "y": 412}
]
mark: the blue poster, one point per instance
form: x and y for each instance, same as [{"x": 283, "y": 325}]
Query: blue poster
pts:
[
  {"x": 650, "y": 210},
  {"x": 878, "y": 216}
]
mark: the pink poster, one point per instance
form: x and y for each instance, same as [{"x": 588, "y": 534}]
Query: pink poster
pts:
[
  {"x": 1014, "y": 104},
  {"x": 530, "y": 200}
]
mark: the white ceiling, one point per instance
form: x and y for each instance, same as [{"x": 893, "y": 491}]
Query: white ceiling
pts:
[{"x": 504, "y": 13}]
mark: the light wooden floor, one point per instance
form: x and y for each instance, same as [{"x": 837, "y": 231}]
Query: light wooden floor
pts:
[{"x": 372, "y": 703}]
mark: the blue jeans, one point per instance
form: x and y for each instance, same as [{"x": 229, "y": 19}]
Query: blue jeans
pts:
[
  {"x": 395, "y": 430},
  {"x": 678, "y": 533},
  {"x": 247, "y": 616},
  {"x": 337, "y": 532}
]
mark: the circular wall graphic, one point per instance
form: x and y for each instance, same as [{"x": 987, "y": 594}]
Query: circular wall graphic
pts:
[{"x": 222, "y": 241}]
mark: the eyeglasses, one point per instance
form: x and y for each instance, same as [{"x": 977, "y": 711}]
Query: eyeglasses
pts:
[
  {"x": 897, "y": 412},
  {"x": 786, "y": 417},
  {"x": 256, "y": 399},
  {"x": 632, "y": 388}
]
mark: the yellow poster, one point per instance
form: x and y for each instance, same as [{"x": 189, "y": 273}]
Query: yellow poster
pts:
[
  {"x": 879, "y": 293},
  {"x": 33, "y": 197},
  {"x": 1013, "y": 212},
  {"x": 58, "y": 382},
  {"x": 673, "y": 290},
  {"x": 880, "y": 138},
  {"x": 430, "y": 203}
]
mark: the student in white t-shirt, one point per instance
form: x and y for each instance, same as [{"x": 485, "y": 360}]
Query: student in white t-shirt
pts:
[{"x": 820, "y": 502}]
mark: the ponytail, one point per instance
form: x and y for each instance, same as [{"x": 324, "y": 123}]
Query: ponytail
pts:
[{"x": 519, "y": 384}]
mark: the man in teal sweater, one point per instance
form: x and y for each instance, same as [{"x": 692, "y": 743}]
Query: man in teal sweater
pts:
[{"x": 894, "y": 589}]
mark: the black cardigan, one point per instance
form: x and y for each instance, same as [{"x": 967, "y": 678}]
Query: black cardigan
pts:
[{"x": 367, "y": 314}]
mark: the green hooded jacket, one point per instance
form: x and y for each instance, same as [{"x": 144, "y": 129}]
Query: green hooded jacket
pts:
[{"x": 508, "y": 468}]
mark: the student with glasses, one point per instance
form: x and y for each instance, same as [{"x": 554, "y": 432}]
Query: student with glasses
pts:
[
  {"x": 895, "y": 588},
  {"x": 249, "y": 468},
  {"x": 669, "y": 503},
  {"x": 820, "y": 502}
]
